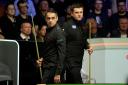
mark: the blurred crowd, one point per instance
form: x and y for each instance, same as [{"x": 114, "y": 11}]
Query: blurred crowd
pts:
[{"x": 108, "y": 18}]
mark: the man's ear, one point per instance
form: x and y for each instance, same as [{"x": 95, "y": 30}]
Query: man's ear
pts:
[
  {"x": 71, "y": 13},
  {"x": 57, "y": 18}
]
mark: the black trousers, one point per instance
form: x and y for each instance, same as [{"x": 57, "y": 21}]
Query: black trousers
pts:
[
  {"x": 73, "y": 75},
  {"x": 48, "y": 75}
]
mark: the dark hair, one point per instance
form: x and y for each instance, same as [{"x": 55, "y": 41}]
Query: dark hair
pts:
[
  {"x": 94, "y": 2},
  {"x": 9, "y": 3},
  {"x": 51, "y": 10},
  {"x": 76, "y": 5},
  {"x": 20, "y": 2},
  {"x": 39, "y": 4},
  {"x": 25, "y": 21},
  {"x": 41, "y": 1},
  {"x": 98, "y": 0},
  {"x": 119, "y": 1},
  {"x": 123, "y": 18}
]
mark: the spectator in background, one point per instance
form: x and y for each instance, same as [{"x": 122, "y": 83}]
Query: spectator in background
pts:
[
  {"x": 3, "y": 3},
  {"x": 23, "y": 16},
  {"x": 8, "y": 22},
  {"x": 122, "y": 12},
  {"x": 28, "y": 70},
  {"x": 107, "y": 4},
  {"x": 25, "y": 32},
  {"x": 101, "y": 17},
  {"x": 41, "y": 33},
  {"x": 93, "y": 28},
  {"x": 122, "y": 30},
  {"x": 39, "y": 19},
  {"x": 31, "y": 7}
]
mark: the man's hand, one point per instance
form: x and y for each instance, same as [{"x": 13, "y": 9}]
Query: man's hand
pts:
[
  {"x": 57, "y": 79},
  {"x": 90, "y": 50},
  {"x": 39, "y": 62}
]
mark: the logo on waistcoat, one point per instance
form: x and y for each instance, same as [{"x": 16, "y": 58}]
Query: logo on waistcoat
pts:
[{"x": 73, "y": 26}]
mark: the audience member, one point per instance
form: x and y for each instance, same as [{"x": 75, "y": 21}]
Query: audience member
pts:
[
  {"x": 122, "y": 12},
  {"x": 101, "y": 18},
  {"x": 122, "y": 30},
  {"x": 8, "y": 22}
]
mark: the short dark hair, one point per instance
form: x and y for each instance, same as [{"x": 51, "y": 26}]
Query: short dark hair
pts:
[
  {"x": 122, "y": 18},
  {"x": 41, "y": 1},
  {"x": 120, "y": 1},
  {"x": 51, "y": 10},
  {"x": 76, "y": 5},
  {"x": 25, "y": 21},
  {"x": 9, "y": 3},
  {"x": 98, "y": 0},
  {"x": 21, "y": 2}
]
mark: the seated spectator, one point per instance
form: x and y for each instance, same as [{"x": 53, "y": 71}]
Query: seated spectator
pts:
[
  {"x": 25, "y": 32},
  {"x": 8, "y": 22},
  {"x": 39, "y": 19},
  {"x": 121, "y": 12},
  {"x": 122, "y": 31},
  {"x": 93, "y": 28},
  {"x": 41, "y": 33},
  {"x": 101, "y": 18},
  {"x": 31, "y": 7},
  {"x": 107, "y": 5},
  {"x": 23, "y": 16}
]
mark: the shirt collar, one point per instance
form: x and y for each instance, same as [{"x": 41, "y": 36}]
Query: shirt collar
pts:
[{"x": 24, "y": 37}]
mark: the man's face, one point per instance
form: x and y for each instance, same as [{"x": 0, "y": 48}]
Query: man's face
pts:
[
  {"x": 51, "y": 19},
  {"x": 98, "y": 5},
  {"x": 10, "y": 10},
  {"x": 121, "y": 7},
  {"x": 26, "y": 28},
  {"x": 42, "y": 31},
  {"x": 44, "y": 5},
  {"x": 77, "y": 14},
  {"x": 23, "y": 8},
  {"x": 123, "y": 23},
  {"x": 93, "y": 25}
]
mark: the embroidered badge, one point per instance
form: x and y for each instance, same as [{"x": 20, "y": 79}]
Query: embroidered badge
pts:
[{"x": 73, "y": 26}]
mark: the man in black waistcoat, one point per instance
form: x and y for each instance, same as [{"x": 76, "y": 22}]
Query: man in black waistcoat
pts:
[
  {"x": 75, "y": 44},
  {"x": 54, "y": 49}
]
